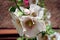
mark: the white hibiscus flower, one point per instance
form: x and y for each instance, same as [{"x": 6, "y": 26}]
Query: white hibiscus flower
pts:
[
  {"x": 32, "y": 26},
  {"x": 36, "y": 11}
]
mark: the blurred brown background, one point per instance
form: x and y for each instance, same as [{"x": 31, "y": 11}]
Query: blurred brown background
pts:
[
  {"x": 52, "y": 5},
  {"x": 5, "y": 18}
]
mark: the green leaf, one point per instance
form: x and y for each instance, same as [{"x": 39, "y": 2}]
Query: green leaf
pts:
[
  {"x": 41, "y": 3},
  {"x": 49, "y": 30},
  {"x": 20, "y": 1},
  {"x": 20, "y": 13},
  {"x": 48, "y": 27},
  {"x": 26, "y": 38},
  {"x": 19, "y": 39},
  {"x": 12, "y": 9}
]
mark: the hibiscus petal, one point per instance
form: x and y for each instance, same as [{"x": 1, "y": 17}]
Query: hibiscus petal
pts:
[
  {"x": 32, "y": 33},
  {"x": 18, "y": 28},
  {"x": 35, "y": 9},
  {"x": 41, "y": 25},
  {"x": 16, "y": 23},
  {"x": 41, "y": 13},
  {"x": 26, "y": 11}
]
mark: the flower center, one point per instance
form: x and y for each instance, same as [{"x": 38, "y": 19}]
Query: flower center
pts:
[
  {"x": 29, "y": 23},
  {"x": 34, "y": 14}
]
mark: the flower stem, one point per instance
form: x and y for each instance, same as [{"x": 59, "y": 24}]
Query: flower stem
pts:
[{"x": 18, "y": 6}]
